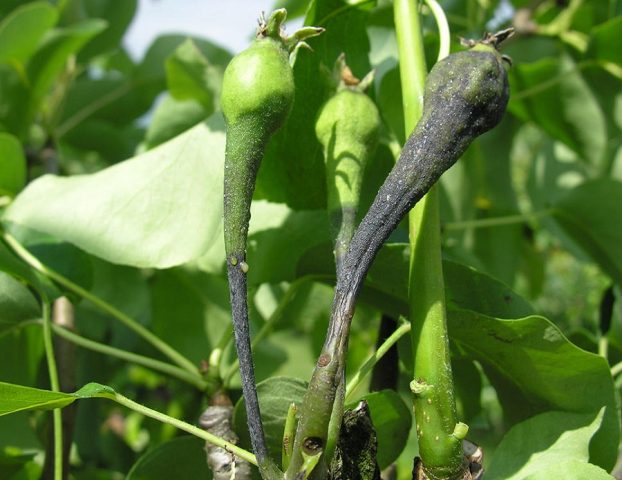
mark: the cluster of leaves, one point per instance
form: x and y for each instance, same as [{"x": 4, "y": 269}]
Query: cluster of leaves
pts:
[{"x": 135, "y": 222}]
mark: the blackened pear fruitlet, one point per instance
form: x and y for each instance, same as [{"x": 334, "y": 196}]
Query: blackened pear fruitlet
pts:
[{"x": 466, "y": 95}]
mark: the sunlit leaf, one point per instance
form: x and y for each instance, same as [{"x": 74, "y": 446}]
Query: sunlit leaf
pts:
[{"x": 156, "y": 210}]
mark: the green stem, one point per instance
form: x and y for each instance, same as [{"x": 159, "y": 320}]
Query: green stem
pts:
[
  {"x": 186, "y": 427},
  {"x": 375, "y": 358},
  {"x": 443, "y": 28},
  {"x": 603, "y": 346},
  {"x": 498, "y": 221},
  {"x": 435, "y": 410},
  {"x": 616, "y": 369},
  {"x": 151, "y": 363},
  {"x": 129, "y": 322},
  {"x": 54, "y": 383},
  {"x": 413, "y": 69}
]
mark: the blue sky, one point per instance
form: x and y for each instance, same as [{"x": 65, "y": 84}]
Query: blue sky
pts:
[{"x": 229, "y": 23}]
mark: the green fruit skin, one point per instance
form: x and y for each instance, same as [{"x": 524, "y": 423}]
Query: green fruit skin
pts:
[
  {"x": 259, "y": 83},
  {"x": 347, "y": 127},
  {"x": 257, "y": 95}
]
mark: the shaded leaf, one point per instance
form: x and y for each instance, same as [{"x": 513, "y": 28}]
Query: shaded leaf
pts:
[
  {"x": 553, "y": 94},
  {"x": 346, "y": 32},
  {"x": 156, "y": 210},
  {"x": 571, "y": 470},
  {"x": 14, "y": 266},
  {"x": 292, "y": 170},
  {"x": 171, "y": 118},
  {"x": 149, "y": 77},
  {"x": 541, "y": 442},
  {"x": 23, "y": 29},
  {"x": 589, "y": 215},
  {"x": 182, "y": 457},
  {"x": 117, "y": 15},
  {"x": 275, "y": 396},
  {"x": 17, "y": 303},
  {"x": 187, "y": 73},
  {"x": 17, "y": 465},
  {"x": 63, "y": 257},
  {"x": 191, "y": 310},
  {"x": 50, "y": 59},
  {"x": 12, "y": 165},
  {"x": 466, "y": 288},
  {"x": 284, "y": 237},
  {"x": 604, "y": 41}
]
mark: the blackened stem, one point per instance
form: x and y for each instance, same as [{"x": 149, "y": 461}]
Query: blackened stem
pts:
[{"x": 246, "y": 142}]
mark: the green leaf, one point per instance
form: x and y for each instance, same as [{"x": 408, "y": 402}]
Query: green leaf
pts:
[
  {"x": 51, "y": 58},
  {"x": 126, "y": 289},
  {"x": 553, "y": 94},
  {"x": 392, "y": 421},
  {"x": 22, "y": 351},
  {"x": 187, "y": 73},
  {"x": 117, "y": 15},
  {"x": 149, "y": 77},
  {"x": 17, "y": 303},
  {"x": 489, "y": 176},
  {"x": 571, "y": 470},
  {"x": 158, "y": 209},
  {"x": 472, "y": 290},
  {"x": 22, "y": 30},
  {"x": 534, "y": 368},
  {"x": 292, "y": 170},
  {"x": 16, "y": 465},
  {"x": 541, "y": 442},
  {"x": 171, "y": 118},
  {"x": 113, "y": 142},
  {"x": 66, "y": 259},
  {"x": 466, "y": 288},
  {"x": 11, "y": 264},
  {"x": 346, "y": 32},
  {"x": 588, "y": 214},
  {"x": 17, "y": 398},
  {"x": 12, "y": 165},
  {"x": 604, "y": 39},
  {"x": 279, "y": 238},
  {"x": 182, "y": 457},
  {"x": 191, "y": 310},
  {"x": 275, "y": 396},
  {"x": 295, "y": 8}
]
